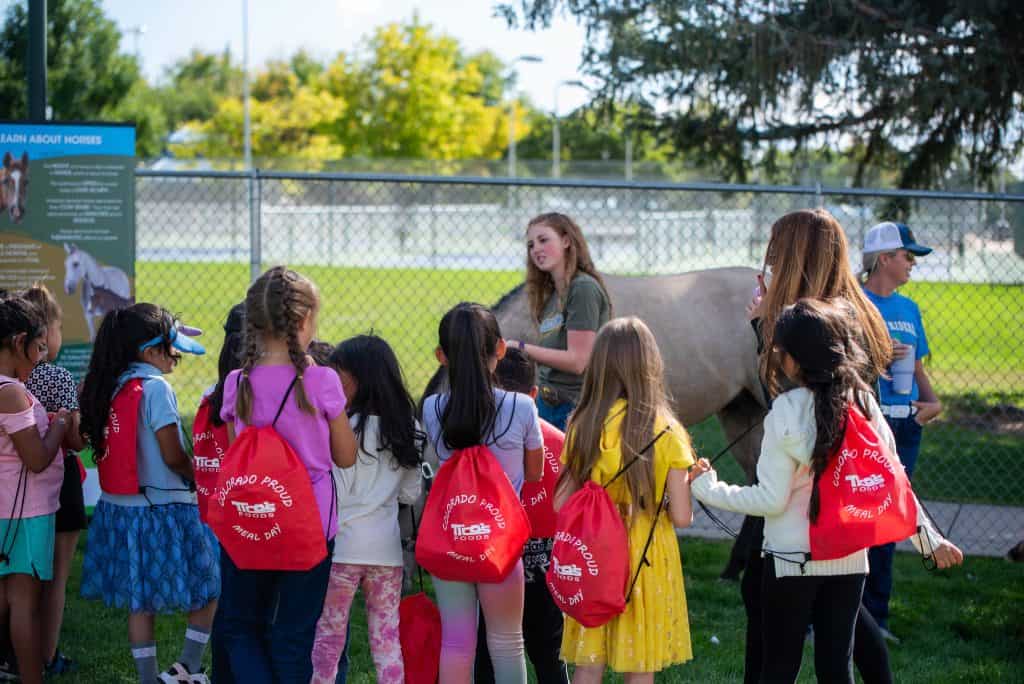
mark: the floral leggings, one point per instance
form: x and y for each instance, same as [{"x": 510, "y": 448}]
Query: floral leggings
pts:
[{"x": 382, "y": 588}]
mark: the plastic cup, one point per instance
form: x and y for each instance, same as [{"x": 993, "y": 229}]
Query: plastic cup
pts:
[{"x": 902, "y": 371}]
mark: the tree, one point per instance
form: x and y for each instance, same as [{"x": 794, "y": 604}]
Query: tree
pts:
[
  {"x": 732, "y": 82},
  {"x": 86, "y": 73}
]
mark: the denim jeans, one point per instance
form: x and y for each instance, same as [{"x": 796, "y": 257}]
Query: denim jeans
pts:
[
  {"x": 267, "y": 619},
  {"x": 556, "y": 414},
  {"x": 878, "y": 586}
]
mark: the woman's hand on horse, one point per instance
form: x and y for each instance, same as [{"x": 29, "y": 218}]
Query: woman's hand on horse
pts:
[{"x": 756, "y": 307}]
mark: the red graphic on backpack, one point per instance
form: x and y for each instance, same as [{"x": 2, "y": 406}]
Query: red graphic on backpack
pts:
[
  {"x": 209, "y": 446},
  {"x": 589, "y": 573},
  {"x": 864, "y": 495},
  {"x": 118, "y": 466},
  {"x": 263, "y": 510},
  {"x": 538, "y": 497},
  {"x": 473, "y": 527}
]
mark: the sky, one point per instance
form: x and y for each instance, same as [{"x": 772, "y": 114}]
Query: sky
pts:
[{"x": 278, "y": 28}]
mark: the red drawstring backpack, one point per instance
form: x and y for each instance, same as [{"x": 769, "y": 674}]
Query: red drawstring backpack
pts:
[
  {"x": 210, "y": 444},
  {"x": 263, "y": 510},
  {"x": 589, "y": 573},
  {"x": 538, "y": 497},
  {"x": 419, "y": 632},
  {"x": 864, "y": 495},
  {"x": 118, "y": 465},
  {"x": 473, "y": 527}
]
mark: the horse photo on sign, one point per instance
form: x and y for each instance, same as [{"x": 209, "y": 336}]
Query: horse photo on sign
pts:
[
  {"x": 103, "y": 288},
  {"x": 14, "y": 186}
]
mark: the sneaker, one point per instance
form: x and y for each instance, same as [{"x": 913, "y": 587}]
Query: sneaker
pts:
[
  {"x": 9, "y": 671},
  {"x": 889, "y": 636},
  {"x": 200, "y": 678},
  {"x": 175, "y": 674},
  {"x": 60, "y": 665}
]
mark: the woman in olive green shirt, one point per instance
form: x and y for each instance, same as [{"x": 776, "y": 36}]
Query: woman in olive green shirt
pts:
[{"x": 569, "y": 302}]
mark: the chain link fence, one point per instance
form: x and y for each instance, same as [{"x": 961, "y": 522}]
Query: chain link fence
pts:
[{"x": 391, "y": 254}]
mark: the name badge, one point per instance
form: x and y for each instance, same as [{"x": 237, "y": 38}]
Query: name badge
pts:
[{"x": 551, "y": 323}]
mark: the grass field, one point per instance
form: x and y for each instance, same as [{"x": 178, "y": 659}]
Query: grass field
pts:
[
  {"x": 976, "y": 333},
  {"x": 961, "y": 625}
]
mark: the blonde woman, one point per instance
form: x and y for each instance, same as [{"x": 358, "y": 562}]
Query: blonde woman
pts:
[{"x": 569, "y": 302}]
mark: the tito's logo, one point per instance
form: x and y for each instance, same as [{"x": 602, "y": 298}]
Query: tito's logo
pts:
[
  {"x": 871, "y": 483},
  {"x": 257, "y": 510},
  {"x": 477, "y": 532},
  {"x": 569, "y": 572},
  {"x": 207, "y": 462}
]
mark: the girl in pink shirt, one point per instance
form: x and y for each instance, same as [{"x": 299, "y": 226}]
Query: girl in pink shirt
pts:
[
  {"x": 280, "y": 321},
  {"x": 31, "y": 472}
]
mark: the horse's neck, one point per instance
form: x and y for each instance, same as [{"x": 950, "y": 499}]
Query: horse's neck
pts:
[{"x": 92, "y": 273}]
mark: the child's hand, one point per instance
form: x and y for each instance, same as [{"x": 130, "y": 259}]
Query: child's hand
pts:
[
  {"x": 61, "y": 419},
  {"x": 756, "y": 307},
  {"x": 947, "y": 555},
  {"x": 699, "y": 468}
]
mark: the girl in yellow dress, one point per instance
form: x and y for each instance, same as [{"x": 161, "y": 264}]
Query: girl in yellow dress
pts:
[{"x": 623, "y": 406}]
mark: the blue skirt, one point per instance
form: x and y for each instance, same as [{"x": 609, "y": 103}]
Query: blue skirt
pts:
[{"x": 150, "y": 559}]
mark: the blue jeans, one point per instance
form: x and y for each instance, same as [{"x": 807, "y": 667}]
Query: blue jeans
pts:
[
  {"x": 557, "y": 415},
  {"x": 266, "y": 620},
  {"x": 878, "y": 586}
]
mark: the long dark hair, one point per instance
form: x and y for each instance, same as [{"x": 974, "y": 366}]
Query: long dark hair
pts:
[
  {"x": 380, "y": 392},
  {"x": 230, "y": 358},
  {"x": 822, "y": 338},
  {"x": 116, "y": 347},
  {"x": 469, "y": 337}
]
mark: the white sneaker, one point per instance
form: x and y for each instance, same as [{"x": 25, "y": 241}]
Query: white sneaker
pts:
[
  {"x": 176, "y": 674},
  {"x": 200, "y": 678}
]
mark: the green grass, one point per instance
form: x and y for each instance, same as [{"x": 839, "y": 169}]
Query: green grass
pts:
[
  {"x": 975, "y": 333},
  {"x": 960, "y": 625}
]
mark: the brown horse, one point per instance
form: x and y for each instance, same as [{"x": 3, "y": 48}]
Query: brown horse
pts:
[{"x": 14, "y": 186}]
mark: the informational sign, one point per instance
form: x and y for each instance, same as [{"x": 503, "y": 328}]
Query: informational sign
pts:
[{"x": 67, "y": 220}]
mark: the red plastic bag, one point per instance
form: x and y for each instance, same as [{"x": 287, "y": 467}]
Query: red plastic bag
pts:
[
  {"x": 118, "y": 464},
  {"x": 419, "y": 632},
  {"x": 264, "y": 512},
  {"x": 589, "y": 570},
  {"x": 210, "y": 444},
  {"x": 473, "y": 527},
  {"x": 864, "y": 495},
  {"x": 538, "y": 497}
]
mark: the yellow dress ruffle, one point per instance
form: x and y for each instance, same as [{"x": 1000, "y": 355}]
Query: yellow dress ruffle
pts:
[{"x": 654, "y": 631}]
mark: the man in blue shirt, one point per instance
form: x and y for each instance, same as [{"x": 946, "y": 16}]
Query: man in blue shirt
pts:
[{"x": 890, "y": 252}]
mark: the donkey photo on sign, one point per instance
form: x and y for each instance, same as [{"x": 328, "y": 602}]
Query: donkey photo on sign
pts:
[
  {"x": 103, "y": 288},
  {"x": 14, "y": 186}
]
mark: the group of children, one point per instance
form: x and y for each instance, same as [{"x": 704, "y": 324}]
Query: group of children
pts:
[{"x": 352, "y": 423}]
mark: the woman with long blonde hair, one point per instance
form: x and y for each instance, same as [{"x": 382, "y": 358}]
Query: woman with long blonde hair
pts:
[
  {"x": 808, "y": 256},
  {"x": 623, "y": 407},
  {"x": 569, "y": 302}
]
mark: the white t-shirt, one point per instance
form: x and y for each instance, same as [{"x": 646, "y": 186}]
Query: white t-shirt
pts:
[{"x": 368, "y": 494}]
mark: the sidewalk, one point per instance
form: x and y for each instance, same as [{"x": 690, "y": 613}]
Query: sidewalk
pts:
[{"x": 979, "y": 530}]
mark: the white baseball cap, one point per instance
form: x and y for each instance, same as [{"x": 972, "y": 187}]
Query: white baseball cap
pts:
[{"x": 889, "y": 236}]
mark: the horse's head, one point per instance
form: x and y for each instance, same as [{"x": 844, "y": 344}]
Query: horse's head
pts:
[
  {"x": 74, "y": 269},
  {"x": 15, "y": 186}
]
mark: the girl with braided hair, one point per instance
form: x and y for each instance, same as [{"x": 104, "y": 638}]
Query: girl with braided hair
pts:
[
  {"x": 817, "y": 347},
  {"x": 280, "y": 321}
]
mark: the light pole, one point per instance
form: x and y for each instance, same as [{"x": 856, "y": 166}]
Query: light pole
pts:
[
  {"x": 512, "y": 111},
  {"x": 136, "y": 32},
  {"x": 245, "y": 85},
  {"x": 556, "y": 134}
]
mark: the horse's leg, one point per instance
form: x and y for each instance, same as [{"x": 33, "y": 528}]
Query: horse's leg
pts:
[{"x": 736, "y": 418}]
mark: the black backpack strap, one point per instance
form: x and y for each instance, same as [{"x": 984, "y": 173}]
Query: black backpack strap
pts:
[
  {"x": 636, "y": 458},
  {"x": 284, "y": 400},
  {"x": 17, "y": 508},
  {"x": 650, "y": 538}
]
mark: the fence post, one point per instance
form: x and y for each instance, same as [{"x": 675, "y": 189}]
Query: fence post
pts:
[
  {"x": 255, "y": 237},
  {"x": 817, "y": 196}
]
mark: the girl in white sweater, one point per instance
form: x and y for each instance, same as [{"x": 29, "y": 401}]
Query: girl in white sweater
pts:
[
  {"x": 817, "y": 351},
  {"x": 368, "y": 548}
]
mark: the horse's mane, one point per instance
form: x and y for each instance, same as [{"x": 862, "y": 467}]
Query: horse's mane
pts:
[{"x": 508, "y": 296}]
